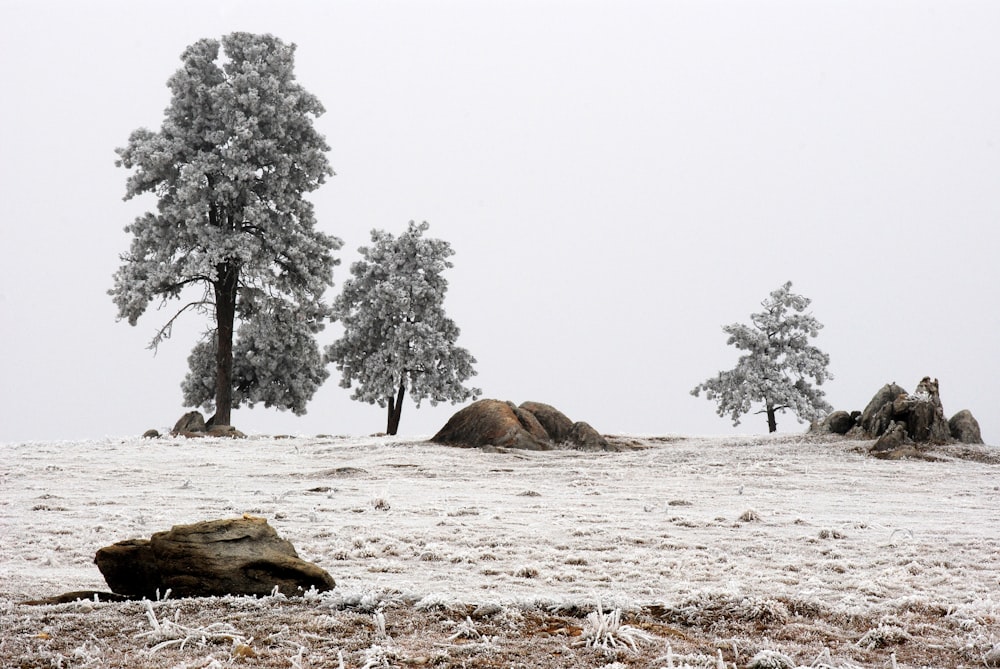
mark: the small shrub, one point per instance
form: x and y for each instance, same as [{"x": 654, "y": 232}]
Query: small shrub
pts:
[
  {"x": 883, "y": 636},
  {"x": 605, "y": 630},
  {"x": 770, "y": 659}
]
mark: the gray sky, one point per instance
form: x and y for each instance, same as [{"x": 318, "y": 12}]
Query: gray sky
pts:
[{"x": 618, "y": 180}]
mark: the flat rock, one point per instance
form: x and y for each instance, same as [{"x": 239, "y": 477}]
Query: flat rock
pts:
[{"x": 240, "y": 556}]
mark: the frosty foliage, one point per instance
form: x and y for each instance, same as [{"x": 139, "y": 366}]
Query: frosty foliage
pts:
[
  {"x": 229, "y": 166},
  {"x": 779, "y": 366},
  {"x": 605, "y": 630},
  {"x": 397, "y": 337},
  {"x": 276, "y": 361}
]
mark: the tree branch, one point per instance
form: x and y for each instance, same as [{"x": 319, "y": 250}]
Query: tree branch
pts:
[{"x": 164, "y": 332}]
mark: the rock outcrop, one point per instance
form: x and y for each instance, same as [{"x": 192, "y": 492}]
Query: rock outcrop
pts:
[
  {"x": 240, "y": 556},
  {"x": 193, "y": 424},
  {"x": 899, "y": 421},
  {"x": 530, "y": 426}
]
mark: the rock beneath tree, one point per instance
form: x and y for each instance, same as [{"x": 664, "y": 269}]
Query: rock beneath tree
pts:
[
  {"x": 241, "y": 556},
  {"x": 225, "y": 431},
  {"x": 964, "y": 427},
  {"x": 190, "y": 422}
]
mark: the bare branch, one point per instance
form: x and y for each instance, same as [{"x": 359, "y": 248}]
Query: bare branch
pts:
[{"x": 164, "y": 332}]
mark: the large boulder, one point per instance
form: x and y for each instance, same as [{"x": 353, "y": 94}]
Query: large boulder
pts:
[
  {"x": 494, "y": 423},
  {"x": 965, "y": 428},
  {"x": 240, "y": 556},
  {"x": 532, "y": 425}
]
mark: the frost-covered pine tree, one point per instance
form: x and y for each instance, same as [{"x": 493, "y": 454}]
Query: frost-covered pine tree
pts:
[
  {"x": 233, "y": 236},
  {"x": 779, "y": 366},
  {"x": 397, "y": 338}
]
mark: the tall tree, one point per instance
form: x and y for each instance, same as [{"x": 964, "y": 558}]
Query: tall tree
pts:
[
  {"x": 397, "y": 337},
  {"x": 778, "y": 364},
  {"x": 235, "y": 154}
]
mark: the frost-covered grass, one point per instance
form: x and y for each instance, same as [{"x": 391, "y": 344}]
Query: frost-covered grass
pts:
[{"x": 690, "y": 552}]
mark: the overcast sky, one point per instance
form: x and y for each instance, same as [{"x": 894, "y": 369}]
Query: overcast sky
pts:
[{"x": 618, "y": 180}]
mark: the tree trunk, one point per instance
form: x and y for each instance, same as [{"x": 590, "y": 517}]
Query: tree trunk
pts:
[
  {"x": 225, "y": 316},
  {"x": 395, "y": 409},
  {"x": 772, "y": 422}
]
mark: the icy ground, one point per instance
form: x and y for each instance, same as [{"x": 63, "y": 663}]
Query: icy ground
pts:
[{"x": 784, "y": 518}]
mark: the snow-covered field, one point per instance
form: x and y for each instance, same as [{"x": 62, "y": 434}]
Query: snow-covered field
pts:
[{"x": 794, "y": 549}]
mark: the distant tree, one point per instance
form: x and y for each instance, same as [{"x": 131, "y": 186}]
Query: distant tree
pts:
[
  {"x": 230, "y": 164},
  {"x": 396, "y": 334},
  {"x": 778, "y": 364}
]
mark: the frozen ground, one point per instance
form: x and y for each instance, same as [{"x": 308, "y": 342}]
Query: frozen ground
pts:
[{"x": 797, "y": 546}]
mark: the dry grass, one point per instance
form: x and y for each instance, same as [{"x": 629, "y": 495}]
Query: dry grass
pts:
[{"x": 326, "y": 632}]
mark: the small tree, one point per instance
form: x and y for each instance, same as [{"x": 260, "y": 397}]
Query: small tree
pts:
[
  {"x": 397, "y": 337},
  {"x": 230, "y": 164},
  {"x": 777, "y": 365}
]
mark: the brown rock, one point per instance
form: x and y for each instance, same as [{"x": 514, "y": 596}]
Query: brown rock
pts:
[
  {"x": 495, "y": 423},
  {"x": 964, "y": 427},
  {"x": 225, "y": 431},
  {"x": 878, "y": 415},
  {"x": 192, "y": 421},
  {"x": 530, "y": 423},
  {"x": 78, "y": 595},
  {"x": 920, "y": 413},
  {"x": 241, "y": 556},
  {"x": 837, "y": 422},
  {"x": 129, "y": 568},
  {"x": 892, "y": 444},
  {"x": 925, "y": 421},
  {"x": 586, "y": 437},
  {"x": 557, "y": 425},
  {"x": 840, "y": 422}
]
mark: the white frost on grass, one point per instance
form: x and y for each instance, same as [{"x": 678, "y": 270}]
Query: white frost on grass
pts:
[
  {"x": 605, "y": 630},
  {"x": 168, "y": 633},
  {"x": 835, "y": 532}
]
